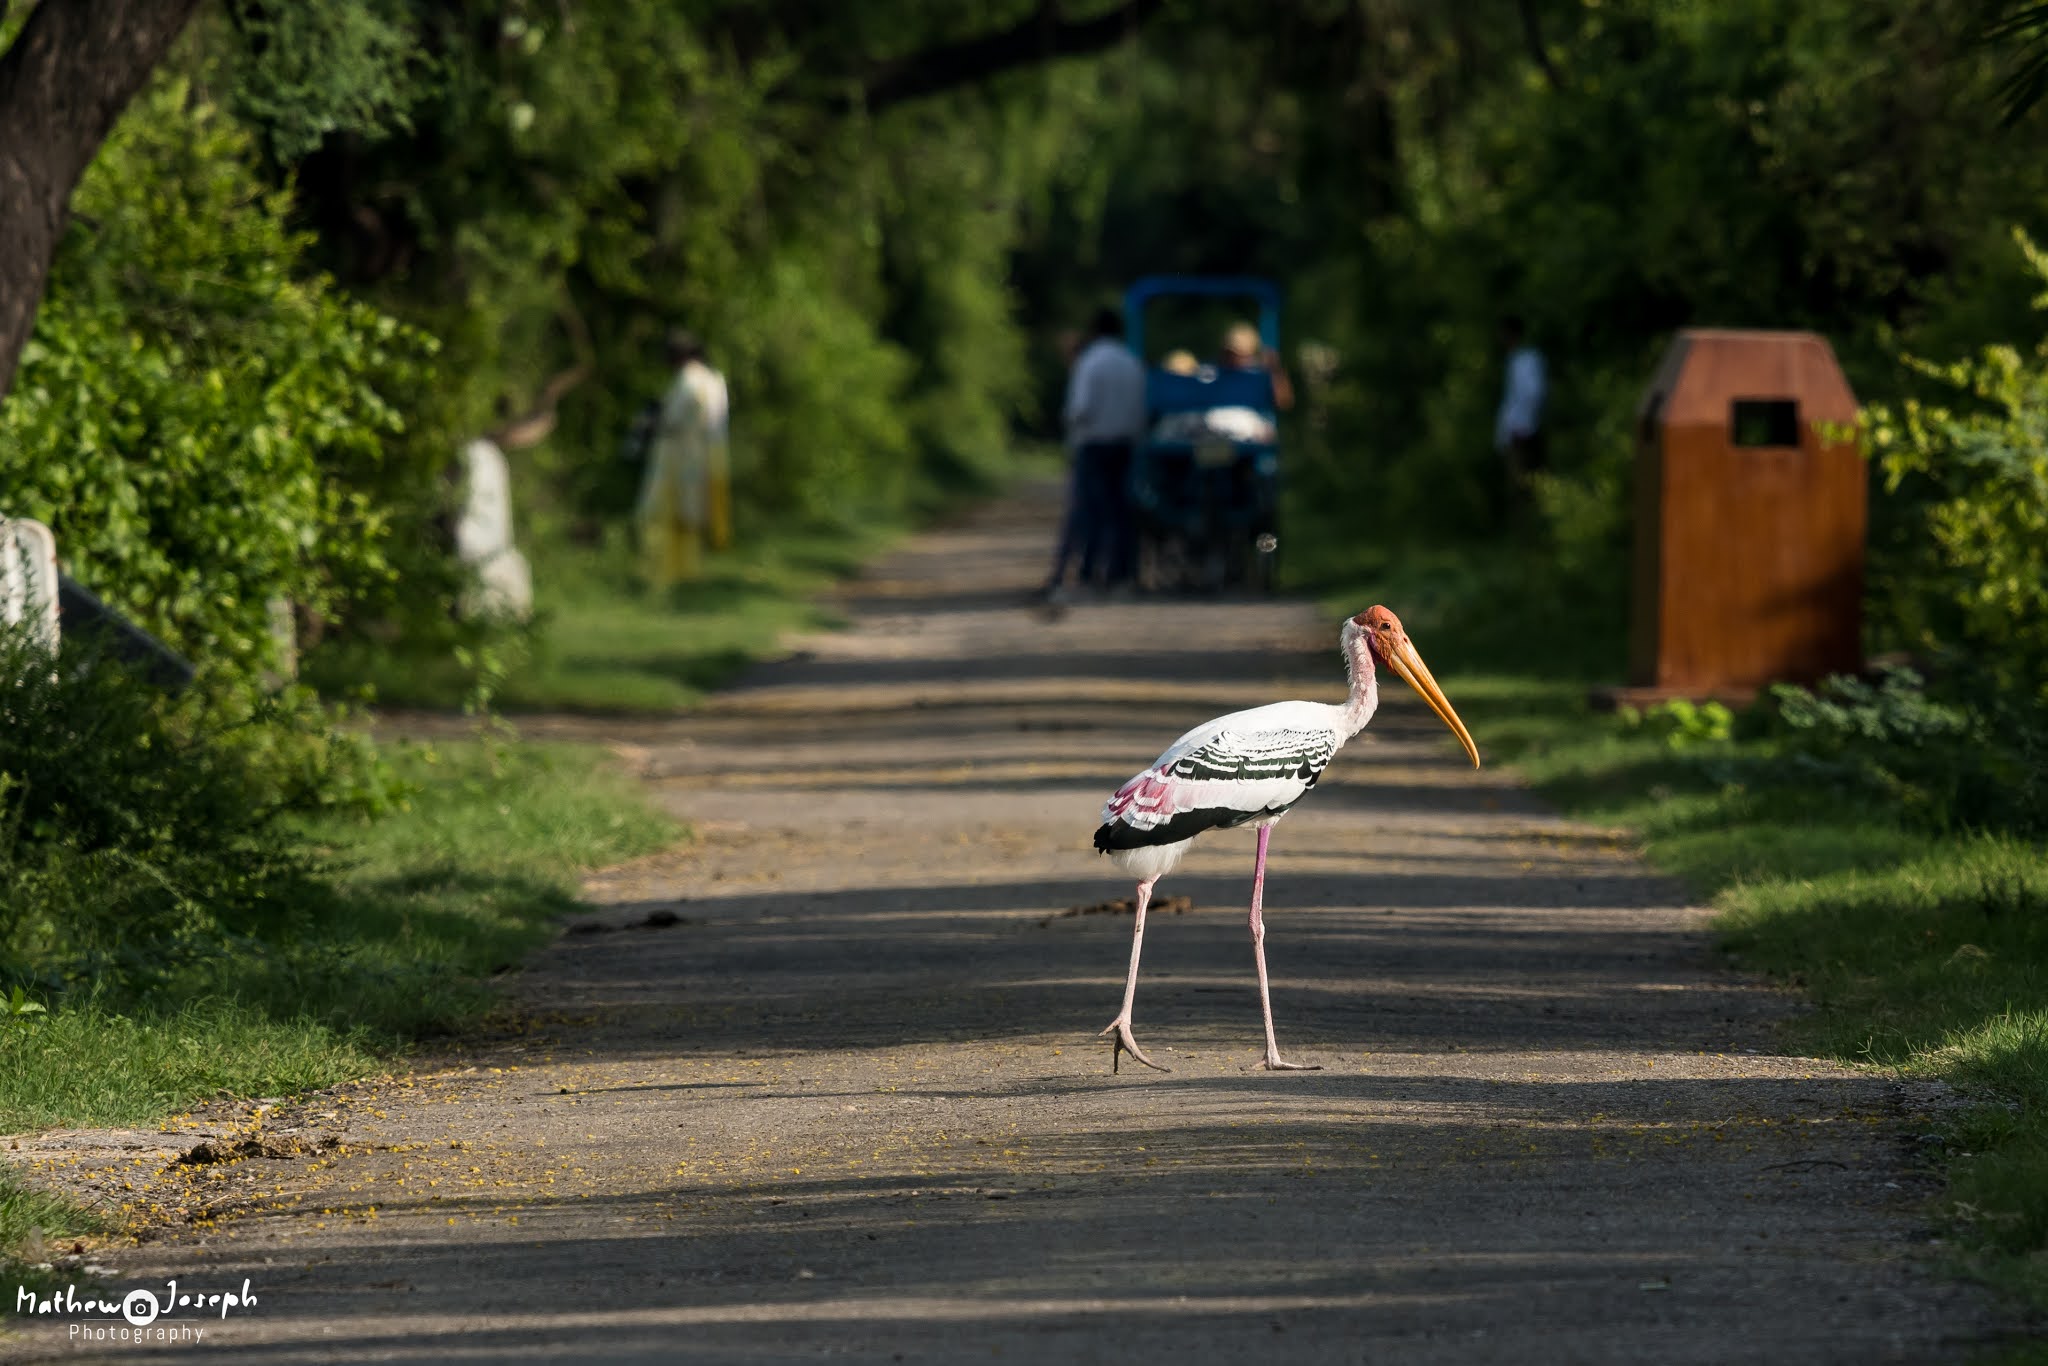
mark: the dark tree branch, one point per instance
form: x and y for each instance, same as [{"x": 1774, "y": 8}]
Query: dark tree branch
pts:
[
  {"x": 1532, "y": 35},
  {"x": 537, "y": 423},
  {"x": 1041, "y": 38},
  {"x": 2018, "y": 31},
  {"x": 63, "y": 82}
]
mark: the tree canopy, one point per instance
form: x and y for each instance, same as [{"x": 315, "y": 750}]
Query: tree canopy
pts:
[{"x": 880, "y": 214}]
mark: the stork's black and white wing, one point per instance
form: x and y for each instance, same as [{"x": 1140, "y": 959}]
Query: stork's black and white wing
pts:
[{"x": 1245, "y": 767}]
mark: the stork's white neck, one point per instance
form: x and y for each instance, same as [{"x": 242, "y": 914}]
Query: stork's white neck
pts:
[{"x": 1365, "y": 684}]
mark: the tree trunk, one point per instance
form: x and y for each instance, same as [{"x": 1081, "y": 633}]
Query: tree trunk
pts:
[{"x": 70, "y": 73}]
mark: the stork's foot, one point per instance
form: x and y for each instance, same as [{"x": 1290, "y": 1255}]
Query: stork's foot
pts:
[
  {"x": 1273, "y": 1063},
  {"x": 1124, "y": 1043}
]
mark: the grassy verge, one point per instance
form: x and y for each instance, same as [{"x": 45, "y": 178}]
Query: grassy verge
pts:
[
  {"x": 395, "y": 944},
  {"x": 419, "y": 908},
  {"x": 1924, "y": 950},
  {"x": 35, "y": 1226},
  {"x": 602, "y": 642}
]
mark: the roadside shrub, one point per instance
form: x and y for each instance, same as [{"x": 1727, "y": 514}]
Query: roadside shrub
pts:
[
  {"x": 1941, "y": 763},
  {"x": 1962, "y": 580},
  {"x": 1683, "y": 725},
  {"x": 204, "y": 423},
  {"x": 1968, "y": 576},
  {"x": 132, "y": 838}
]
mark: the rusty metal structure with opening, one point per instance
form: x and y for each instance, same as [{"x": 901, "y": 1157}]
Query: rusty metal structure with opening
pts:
[{"x": 1750, "y": 517}]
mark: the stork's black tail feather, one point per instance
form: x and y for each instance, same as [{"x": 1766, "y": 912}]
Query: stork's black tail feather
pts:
[{"x": 1185, "y": 825}]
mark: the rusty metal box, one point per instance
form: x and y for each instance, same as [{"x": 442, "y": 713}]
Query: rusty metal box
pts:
[{"x": 1750, "y": 517}]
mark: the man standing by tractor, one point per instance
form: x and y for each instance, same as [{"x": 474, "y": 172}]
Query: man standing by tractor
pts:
[{"x": 1105, "y": 417}]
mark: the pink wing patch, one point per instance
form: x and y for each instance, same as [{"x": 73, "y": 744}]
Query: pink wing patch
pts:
[{"x": 1150, "y": 794}]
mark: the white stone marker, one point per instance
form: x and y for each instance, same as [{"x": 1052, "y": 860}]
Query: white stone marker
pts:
[
  {"x": 483, "y": 536},
  {"x": 28, "y": 580}
]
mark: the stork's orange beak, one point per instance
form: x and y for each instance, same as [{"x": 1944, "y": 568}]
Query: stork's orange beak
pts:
[{"x": 1409, "y": 665}]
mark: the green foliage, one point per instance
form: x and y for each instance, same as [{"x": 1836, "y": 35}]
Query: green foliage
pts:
[
  {"x": 605, "y": 644},
  {"x": 304, "y": 753},
  {"x": 1412, "y": 176},
  {"x": 578, "y": 184},
  {"x": 204, "y": 426},
  {"x": 1849, "y": 716},
  {"x": 2019, "y": 29},
  {"x": 1939, "y": 763},
  {"x": 303, "y": 72},
  {"x": 1970, "y": 572},
  {"x": 1924, "y": 949},
  {"x": 18, "y": 1009},
  {"x": 1682, "y": 725},
  {"x": 411, "y": 911},
  {"x": 130, "y": 839}
]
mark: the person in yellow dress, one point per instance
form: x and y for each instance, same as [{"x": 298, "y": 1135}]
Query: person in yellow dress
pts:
[{"x": 686, "y": 493}]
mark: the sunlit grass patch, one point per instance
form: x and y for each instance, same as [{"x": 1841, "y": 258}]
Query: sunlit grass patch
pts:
[
  {"x": 606, "y": 643},
  {"x": 1924, "y": 950},
  {"x": 34, "y": 1225},
  {"x": 1922, "y": 958},
  {"x": 539, "y": 811},
  {"x": 92, "y": 1064},
  {"x": 1998, "y": 1188},
  {"x": 420, "y": 908},
  {"x": 603, "y": 642}
]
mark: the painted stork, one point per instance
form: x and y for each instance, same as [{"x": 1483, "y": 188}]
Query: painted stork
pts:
[{"x": 1249, "y": 768}]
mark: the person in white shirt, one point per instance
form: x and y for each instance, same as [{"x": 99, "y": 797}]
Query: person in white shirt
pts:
[
  {"x": 1105, "y": 417},
  {"x": 685, "y": 493},
  {"x": 1518, "y": 426}
]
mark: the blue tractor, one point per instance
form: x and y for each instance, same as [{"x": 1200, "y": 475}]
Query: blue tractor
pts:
[{"x": 1205, "y": 480}]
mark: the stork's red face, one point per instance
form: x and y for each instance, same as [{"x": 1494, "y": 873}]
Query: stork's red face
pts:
[
  {"x": 1382, "y": 628},
  {"x": 1390, "y": 646}
]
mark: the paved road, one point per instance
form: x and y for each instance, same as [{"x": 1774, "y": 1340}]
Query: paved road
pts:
[{"x": 851, "y": 1104}]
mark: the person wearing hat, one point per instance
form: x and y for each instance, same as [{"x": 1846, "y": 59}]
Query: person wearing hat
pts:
[{"x": 686, "y": 493}]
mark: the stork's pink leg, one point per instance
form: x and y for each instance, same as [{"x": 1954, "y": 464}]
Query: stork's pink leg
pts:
[
  {"x": 1272, "y": 1062},
  {"x": 1121, "y": 1025}
]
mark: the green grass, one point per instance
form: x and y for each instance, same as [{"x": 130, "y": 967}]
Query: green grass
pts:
[
  {"x": 602, "y": 642},
  {"x": 419, "y": 908},
  {"x": 1924, "y": 951},
  {"x": 28, "y": 1216},
  {"x": 609, "y": 644},
  {"x": 95, "y": 1064}
]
